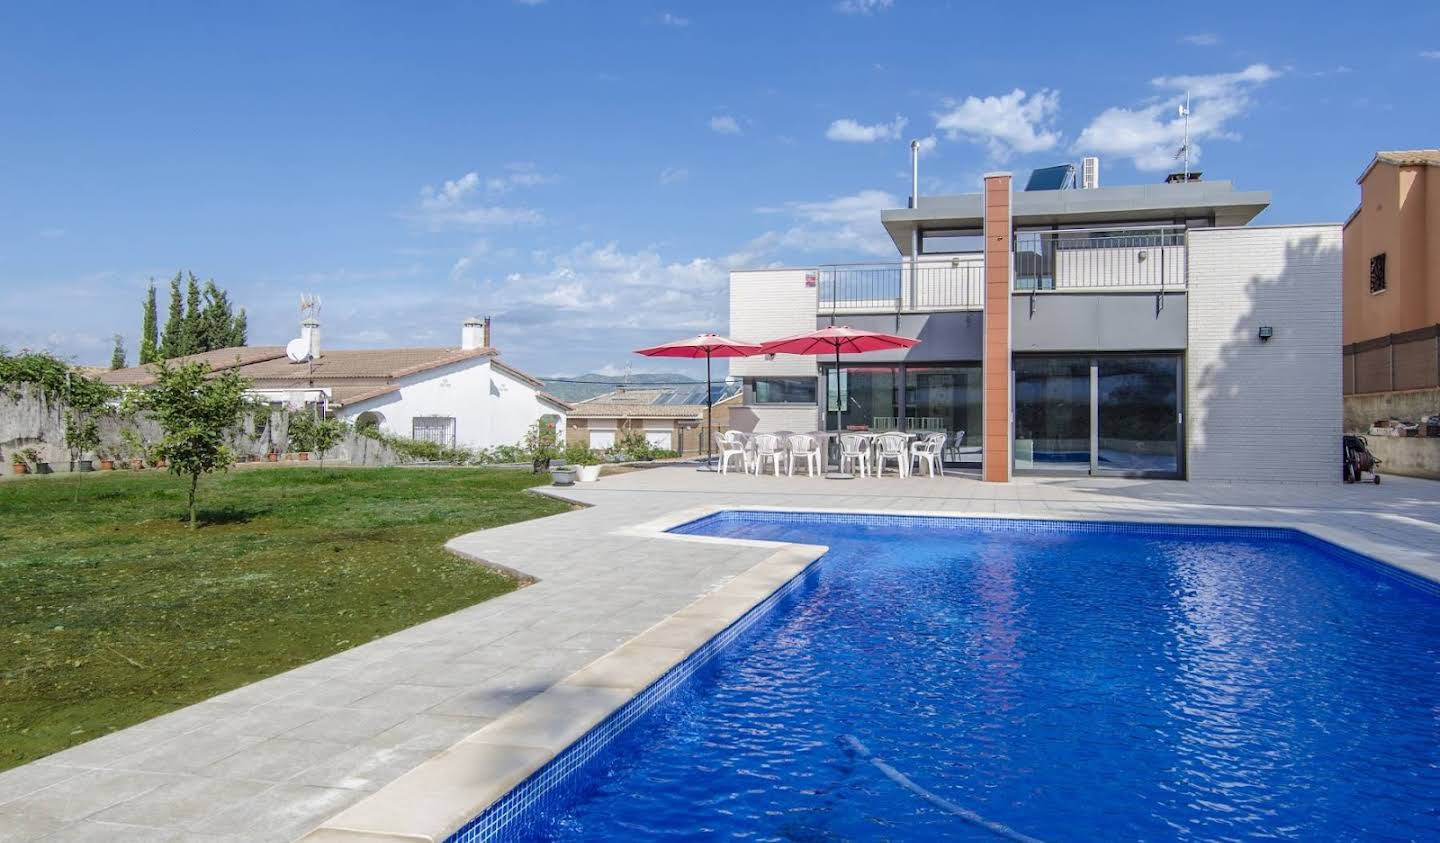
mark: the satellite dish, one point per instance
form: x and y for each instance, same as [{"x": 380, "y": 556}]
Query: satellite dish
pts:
[{"x": 298, "y": 350}]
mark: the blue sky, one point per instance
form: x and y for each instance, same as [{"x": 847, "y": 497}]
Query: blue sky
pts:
[{"x": 588, "y": 172}]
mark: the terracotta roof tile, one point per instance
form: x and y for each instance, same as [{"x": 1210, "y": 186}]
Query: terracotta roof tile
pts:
[
  {"x": 1410, "y": 157},
  {"x": 220, "y": 359}
]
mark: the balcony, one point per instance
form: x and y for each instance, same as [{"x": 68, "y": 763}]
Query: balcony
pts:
[
  {"x": 1141, "y": 258},
  {"x": 951, "y": 283},
  {"x": 1130, "y": 259}
]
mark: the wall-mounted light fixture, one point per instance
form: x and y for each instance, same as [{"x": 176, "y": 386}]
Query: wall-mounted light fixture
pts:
[{"x": 1266, "y": 332}]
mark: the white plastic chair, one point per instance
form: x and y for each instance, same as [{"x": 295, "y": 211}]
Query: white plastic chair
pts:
[
  {"x": 927, "y": 452},
  {"x": 891, "y": 446},
  {"x": 807, "y": 449},
  {"x": 766, "y": 447},
  {"x": 855, "y": 452},
  {"x": 731, "y": 445}
]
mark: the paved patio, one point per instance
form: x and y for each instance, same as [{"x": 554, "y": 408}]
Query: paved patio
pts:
[{"x": 272, "y": 760}]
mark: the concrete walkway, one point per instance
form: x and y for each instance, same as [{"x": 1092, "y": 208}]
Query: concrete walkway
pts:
[{"x": 272, "y": 760}]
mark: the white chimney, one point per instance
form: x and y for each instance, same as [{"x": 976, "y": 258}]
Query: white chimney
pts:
[
  {"x": 310, "y": 333},
  {"x": 1089, "y": 173},
  {"x": 472, "y": 336}
]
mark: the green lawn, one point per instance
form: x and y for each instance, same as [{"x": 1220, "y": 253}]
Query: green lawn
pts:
[{"x": 112, "y": 611}]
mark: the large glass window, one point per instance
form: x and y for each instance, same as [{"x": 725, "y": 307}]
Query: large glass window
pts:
[
  {"x": 946, "y": 399},
  {"x": 1107, "y": 413},
  {"x": 1138, "y": 413},
  {"x": 1052, "y": 413},
  {"x": 783, "y": 390},
  {"x": 866, "y": 397}
]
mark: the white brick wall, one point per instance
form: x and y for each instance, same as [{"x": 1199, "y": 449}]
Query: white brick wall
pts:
[
  {"x": 768, "y": 304},
  {"x": 1264, "y": 412}
]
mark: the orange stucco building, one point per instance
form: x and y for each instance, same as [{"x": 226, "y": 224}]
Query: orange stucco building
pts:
[
  {"x": 1399, "y": 220},
  {"x": 1392, "y": 274}
]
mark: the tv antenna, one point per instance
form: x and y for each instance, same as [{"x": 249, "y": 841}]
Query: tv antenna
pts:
[
  {"x": 1183, "y": 112},
  {"x": 309, "y": 305}
]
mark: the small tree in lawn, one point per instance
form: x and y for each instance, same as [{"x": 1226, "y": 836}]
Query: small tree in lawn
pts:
[
  {"x": 325, "y": 435},
  {"x": 197, "y": 415},
  {"x": 541, "y": 446}
]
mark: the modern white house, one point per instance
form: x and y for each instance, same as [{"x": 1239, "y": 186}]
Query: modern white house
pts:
[
  {"x": 457, "y": 395},
  {"x": 1135, "y": 331}
]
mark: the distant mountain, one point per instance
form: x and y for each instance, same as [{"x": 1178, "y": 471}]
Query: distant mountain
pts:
[{"x": 591, "y": 385}]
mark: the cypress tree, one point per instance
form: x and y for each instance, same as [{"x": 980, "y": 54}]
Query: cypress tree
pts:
[
  {"x": 149, "y": 329},
  {"x": 117, "y": 357},
  {"x": 194, "y": 330},
  {"x": 173, "y": 342},
  {"x": 240, "y": 329}
]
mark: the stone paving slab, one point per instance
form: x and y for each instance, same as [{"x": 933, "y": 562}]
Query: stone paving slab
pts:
[{"x": 279, "y": 757}]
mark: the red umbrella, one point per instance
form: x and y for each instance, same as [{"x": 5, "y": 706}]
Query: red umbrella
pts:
[
  {"x": 837, "y": 339},
  {"x": 707, "y": 346}
]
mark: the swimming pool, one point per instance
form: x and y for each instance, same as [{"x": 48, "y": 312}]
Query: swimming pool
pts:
[{"x": 985, "y": 679}]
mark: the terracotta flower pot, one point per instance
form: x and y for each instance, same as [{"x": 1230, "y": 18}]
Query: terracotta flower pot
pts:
[
  {"x": 303, "y": 456},
  {"x": 107, "y": 465},
  {"x": 20, "y": 468},
  {"x": 137, "y": 464},
  {"x": 272, "y": 457}
]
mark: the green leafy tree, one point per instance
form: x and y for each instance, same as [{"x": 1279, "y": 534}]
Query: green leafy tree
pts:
[
  {"x": 239, "y": 329},
  {"x": 197, "y": 414},
  {"x": 149, "y": 329},
  {"x": 172, "y": 344},
  {"x": 117, "y": 356}
]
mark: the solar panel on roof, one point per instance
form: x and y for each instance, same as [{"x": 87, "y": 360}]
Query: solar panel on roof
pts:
[{"x": 1052, "y": 178}]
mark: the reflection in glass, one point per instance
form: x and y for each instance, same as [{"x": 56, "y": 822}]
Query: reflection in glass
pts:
[
  {"x": 946, "y": 399},
  {"x": 1052, "y": 413},
  {"x": 1139, "y": 413},
  {"x": 866, "y": 396}
]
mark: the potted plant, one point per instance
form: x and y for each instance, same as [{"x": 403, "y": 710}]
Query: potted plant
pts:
[
  {"x": 17, "y": 463},
  {"x": 106, "y": 458},
  {"x": 562, "y": 475},
  {"x": 132, "y": 449},
  {"x": 585, "y": 462},
  {"x": 32, "y": 456},
  {"x": 272, "y": 456},
  {"x": 541, "y": 446}
]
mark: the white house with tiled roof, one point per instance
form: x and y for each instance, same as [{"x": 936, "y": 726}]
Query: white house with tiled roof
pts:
[{"x": 463, "y": 395}]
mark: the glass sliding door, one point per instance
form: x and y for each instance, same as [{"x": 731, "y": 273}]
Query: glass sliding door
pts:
[
  {"x": 867, "y": 397},
  {"x": 1052, "y": 413},
  {"x": 1102, "y": 414},
  {"x": 946, "y": 399},
  {"x": 1138, "y": 410}
]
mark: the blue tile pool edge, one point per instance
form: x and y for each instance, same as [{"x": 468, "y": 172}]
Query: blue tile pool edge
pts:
[
  {"x": 1234, "y": 532},
  {"x": 514, "y": 813}
]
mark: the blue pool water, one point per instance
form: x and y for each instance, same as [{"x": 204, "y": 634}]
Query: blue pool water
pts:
[{"x": 965, "y": 681}]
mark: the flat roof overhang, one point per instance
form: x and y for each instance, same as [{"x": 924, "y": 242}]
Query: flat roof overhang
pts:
[{"x": 1079, "y": 208}]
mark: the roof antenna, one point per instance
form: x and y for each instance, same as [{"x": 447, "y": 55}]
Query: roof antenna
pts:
[{"x": 1184, "y": 151}]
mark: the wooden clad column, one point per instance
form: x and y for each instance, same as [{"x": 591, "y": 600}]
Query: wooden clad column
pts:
[{"x": 995, "y": 361}]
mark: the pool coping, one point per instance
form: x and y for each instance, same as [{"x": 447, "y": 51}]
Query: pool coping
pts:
[{"x": 444, "y": 794}]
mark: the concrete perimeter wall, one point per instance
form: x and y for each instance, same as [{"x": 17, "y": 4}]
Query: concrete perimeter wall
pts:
[{"x": 1264, "y": 411}]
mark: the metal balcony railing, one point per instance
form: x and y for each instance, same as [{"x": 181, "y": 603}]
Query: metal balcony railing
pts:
[
  {"x": 952, "y": 284},
  {"x": 1130, "y": 258}
]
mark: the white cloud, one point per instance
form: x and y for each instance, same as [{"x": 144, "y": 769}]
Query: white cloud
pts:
[
  {"x": 850, "y": 131},
  {"x": 928, "y": 144},
  {"x": 1201, "y": 39},
  {"x": 839, "y": 227},
  {"x": 1433, "y": 55},
  {"x": 453, "y": 205},
  {"x": 862, "y": 7},
  {"x": 672, "y": 175},
  {"x": 674, "y": 20},
  {"x": 1015, "y": 122},
  {"x": 724, "y": 124},
  {"x": 1151, "y": 134}
]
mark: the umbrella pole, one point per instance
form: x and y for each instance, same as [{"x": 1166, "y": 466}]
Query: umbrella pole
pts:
[
  {"x": 709, "y": 413},
  {"x": 839, "y": 403}
]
